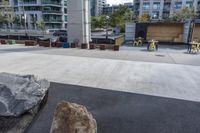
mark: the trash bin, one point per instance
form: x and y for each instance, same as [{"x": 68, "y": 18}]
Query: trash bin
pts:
[
  {"x": 65, "y": 45},
  {"x": 12, "y": 42}
]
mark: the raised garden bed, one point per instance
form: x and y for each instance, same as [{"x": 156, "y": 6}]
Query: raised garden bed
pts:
[
  {"x": 92, "y": 46},
  {"x": 116, "y": 47},
  {"x": 30, "y": 43},
  {"x": 73, "y": 45},
  {"x": 58, "y": 44},
  {"x": 3, "y": 42},
  {"x": 102, "y": 47},
  {"x": 44, "y": 43},
  {"x": 84, "y": 46}
]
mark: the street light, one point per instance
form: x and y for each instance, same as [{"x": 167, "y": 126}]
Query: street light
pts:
[{"x": 107, "y": 20}]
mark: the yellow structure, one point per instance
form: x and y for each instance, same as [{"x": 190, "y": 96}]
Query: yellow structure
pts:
[{"x": 119, "y": 40}]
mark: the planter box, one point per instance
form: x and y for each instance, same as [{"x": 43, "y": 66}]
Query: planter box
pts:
[
  {"x": 30, "y": 43},
  {"x": 44, "y": 43},
  {"x": 102, "y": 46},
  {"x": 59, "y": 44},
  {"x": 92, "y": 46},
  {"x": 116, "y": 47},
  {"x": 84, "y": 46},
  {"x": 3, "y": 42},
  {"x": 73, "y": 45},
  {"x": 53, "y": 44}
]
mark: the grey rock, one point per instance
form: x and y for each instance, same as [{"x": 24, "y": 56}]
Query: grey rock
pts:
[
  {"x": 72, "y": 118},
  {"x": 20, "y": 93}
]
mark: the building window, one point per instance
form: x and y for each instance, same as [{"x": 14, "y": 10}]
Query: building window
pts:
[
  {"x": 155, "y": 15},
  {"x": 198, "y": 6},
  {"x": 166, "y": 7},
  {"x": 146, "y": 6},
  {"x": 189, "y": 4},
  {"x": 65, "y": 18},
  {"x": 178, "y": 5},
  {"x": 165, "y": 15},
  {"x": 156, "y": 6}
]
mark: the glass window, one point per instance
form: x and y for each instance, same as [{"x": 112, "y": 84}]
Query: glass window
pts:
[
  {"x": 156, "y": 6},
  {"x": 146, "y": 6},
  {"x": 155, "y": 15},
  {"x": 189, "y": 4},
  {"x": 178, "y": 5}
]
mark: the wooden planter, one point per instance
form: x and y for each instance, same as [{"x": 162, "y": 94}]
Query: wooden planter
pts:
[
  {"x": 44, "y": 43},
  {"x": 3, "y": 42},
  {"x": 53, "y": 44},
  {"x": 92, "y": 46},
  {"x": 73, "y": 45},
  {"x": 58, "y": 44},
  {"x": 30, "y": 43},
  {"x": 84, "y": 46},
  {"x": 116, "y": 47},
  {"x": 102, "y": 46}
]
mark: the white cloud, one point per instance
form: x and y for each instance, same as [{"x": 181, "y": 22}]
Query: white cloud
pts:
[{"x": 118, "y": 1}]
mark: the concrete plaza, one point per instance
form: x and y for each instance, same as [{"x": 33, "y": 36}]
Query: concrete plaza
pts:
[{"x": 169, "y": 72}]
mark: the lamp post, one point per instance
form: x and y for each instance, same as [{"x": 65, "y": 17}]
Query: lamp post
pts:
[{"x": 107, "y": 20}]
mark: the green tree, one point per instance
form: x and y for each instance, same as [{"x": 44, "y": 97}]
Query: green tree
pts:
[
  {"x": 144, "y": 18},
  {"x": 41, "y": 26},
  {"x": 7, "y": 14},
  {"x": 97, "y": 22},
  {"x": 2, "y": 19},
  {"x": 121, "y": 16},
  {"x": 183, "y": 15}
]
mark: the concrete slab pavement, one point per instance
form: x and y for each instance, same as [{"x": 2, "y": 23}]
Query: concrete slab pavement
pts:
[{"x": 158, "y": 79}]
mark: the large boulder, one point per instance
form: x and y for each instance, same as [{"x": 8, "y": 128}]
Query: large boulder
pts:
[
  {"x": 19, "y": 94},
  {"x": 72, "y": 118}
]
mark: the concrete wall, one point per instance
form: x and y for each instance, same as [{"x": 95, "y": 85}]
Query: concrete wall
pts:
[
  {"x": 165, "y": 32},
  {"x": 130, "y": 31},
  {"x": 78, "y": 21}
]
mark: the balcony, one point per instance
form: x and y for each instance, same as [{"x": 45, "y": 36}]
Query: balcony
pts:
[
  {"x": 51, "y": 12},
  {"x": 33, "y": 3},
  {"x": 51, "y": 3},
  {"x": 51, "y": 20}
]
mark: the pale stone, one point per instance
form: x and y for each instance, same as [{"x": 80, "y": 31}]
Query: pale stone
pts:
[{"x": 72, "y": 118}]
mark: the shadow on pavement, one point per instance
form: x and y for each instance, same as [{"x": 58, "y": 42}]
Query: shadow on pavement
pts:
[{"x": 121, "y": 112}]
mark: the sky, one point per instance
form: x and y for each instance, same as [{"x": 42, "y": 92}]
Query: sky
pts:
[{"x": 118, "y": 1}]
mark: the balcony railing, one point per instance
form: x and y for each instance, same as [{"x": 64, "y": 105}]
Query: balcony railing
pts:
[
  {"x": 52, "y": 3},
  {"x": 51, "y": 11},
  {"x": 52, "y": 20}
]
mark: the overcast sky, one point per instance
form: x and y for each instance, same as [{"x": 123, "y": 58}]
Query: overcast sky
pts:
[{"x": 118, "y": 1}]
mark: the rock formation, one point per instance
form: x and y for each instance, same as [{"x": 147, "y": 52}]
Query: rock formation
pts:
[
  {"x": 72, "y": 118},
  {"x": 19, "y": 94}
]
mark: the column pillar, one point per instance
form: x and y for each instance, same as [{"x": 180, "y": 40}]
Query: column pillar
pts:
[{"x": 78, "y": 21}]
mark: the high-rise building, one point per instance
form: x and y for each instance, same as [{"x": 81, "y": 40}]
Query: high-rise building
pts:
[
  {"x": 107, "y": 9},
  {"x": 97, "y": 7},
  {"x": 162, "y": 9},
  {"x": 52, "y": 12}
]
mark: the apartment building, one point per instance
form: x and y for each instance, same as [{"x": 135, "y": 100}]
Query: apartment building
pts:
[
  {"x": 97, "y": 7},
  {"x": 161, "y": 9},
  {"x": 107, "y": 9},
  {"x": 52, "y": 12}
]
